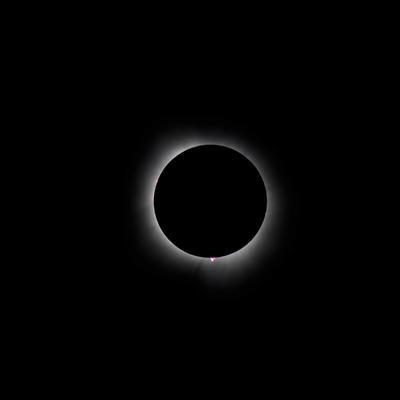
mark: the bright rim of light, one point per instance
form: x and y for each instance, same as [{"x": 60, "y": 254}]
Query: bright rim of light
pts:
[{"x": 157, "y": 246}]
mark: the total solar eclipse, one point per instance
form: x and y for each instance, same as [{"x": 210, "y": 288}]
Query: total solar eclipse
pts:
[{"x": 210, "y": 201}]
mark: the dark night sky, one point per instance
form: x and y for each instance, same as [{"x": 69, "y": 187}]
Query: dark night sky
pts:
[
  {"x": 109, "y": 93},
  {"x": 274, "y": 111},
  {"x": 287, "y": 106}
]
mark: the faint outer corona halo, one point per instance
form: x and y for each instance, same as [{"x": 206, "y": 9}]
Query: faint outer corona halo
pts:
[{"x": 207, "y": 200}]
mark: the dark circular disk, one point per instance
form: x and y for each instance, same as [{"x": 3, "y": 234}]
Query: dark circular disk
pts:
[{"x": 210, "y": 201}]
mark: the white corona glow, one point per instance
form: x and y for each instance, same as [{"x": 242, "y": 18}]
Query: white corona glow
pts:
[{"x": 157, "y": 246}]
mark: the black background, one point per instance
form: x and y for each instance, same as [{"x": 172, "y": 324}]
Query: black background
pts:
[
  {"x": 100, "y": 89},
  {"x": 290, "y": 99},
  {"x": 281, "y": 105}
]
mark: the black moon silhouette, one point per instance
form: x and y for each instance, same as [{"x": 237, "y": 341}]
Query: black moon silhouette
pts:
[{"x": 210, "y": 201}]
